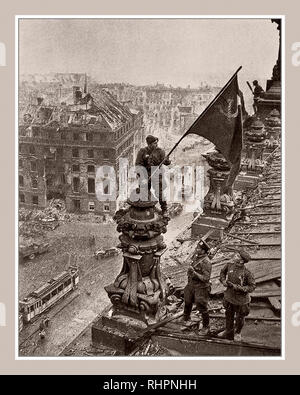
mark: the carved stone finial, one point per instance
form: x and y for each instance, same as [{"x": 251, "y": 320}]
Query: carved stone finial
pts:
[
  {"x": 254, "y": 148},
  {"x": 273, "y": 130},
  {"x": 140, "y": 289},
  {"x": 218, "y": 202}
]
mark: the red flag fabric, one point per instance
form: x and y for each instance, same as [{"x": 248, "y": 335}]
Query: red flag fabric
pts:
[{"x": 221, "y": 122}]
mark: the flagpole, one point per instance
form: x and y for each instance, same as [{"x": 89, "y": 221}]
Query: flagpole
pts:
[{"x": 200, "y": 116}]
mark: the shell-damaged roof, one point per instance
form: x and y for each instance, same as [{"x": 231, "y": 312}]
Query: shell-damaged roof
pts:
[
  {"x": 114, "y": 113},
  {"x": 36, "y": 114},
  {"x": 97, "y": 108}
]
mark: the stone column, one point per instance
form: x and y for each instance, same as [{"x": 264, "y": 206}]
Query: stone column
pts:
[
  {"x": 139, "y": 292},
  {"x": 218, "y": 205},
  {"x": 252, "y": 163}
]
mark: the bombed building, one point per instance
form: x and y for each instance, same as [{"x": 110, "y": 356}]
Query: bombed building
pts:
[{"x": 62, "y": 146}]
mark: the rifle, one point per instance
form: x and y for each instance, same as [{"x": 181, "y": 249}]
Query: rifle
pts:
[{"x": 250, "y": 87}]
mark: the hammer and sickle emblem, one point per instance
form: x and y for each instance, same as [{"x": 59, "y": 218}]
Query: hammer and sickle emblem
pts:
[{"x": 226, "y": 108}]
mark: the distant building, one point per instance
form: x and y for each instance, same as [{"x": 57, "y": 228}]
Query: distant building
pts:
[
  {"x": 61, "y": 146},
  {"x": 186, "y": 117}
]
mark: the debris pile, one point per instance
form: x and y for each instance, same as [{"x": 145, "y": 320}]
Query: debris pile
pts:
[
  {"x": 34, "y": 222},
  {"x": 152, "y": 349}
]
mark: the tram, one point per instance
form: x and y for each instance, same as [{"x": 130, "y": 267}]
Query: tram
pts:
[{"x": 44, "y": 297}]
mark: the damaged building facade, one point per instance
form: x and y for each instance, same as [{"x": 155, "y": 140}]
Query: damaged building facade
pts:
[{"x": 61, "y": 147}]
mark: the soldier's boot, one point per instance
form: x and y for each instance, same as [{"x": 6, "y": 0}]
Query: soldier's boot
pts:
[
  {"x": 226, "y": 334},
  {"x": 205, "y": 330},
  {"x": 186, "y": 318},
  {"x": 238, "y": 337},
  {"x": 240, "y": 321}
]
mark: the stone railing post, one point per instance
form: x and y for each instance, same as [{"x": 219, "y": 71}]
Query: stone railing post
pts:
[
  {"x": 273, "y": 132},
  {"x": 252, "y": 163},
  {"x": 218, "y": 207}
]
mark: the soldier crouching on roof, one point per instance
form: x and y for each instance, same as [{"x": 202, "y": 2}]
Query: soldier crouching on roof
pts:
[
  {"x": 239, "y": 282},
  {"x": 198, "y": 287},
  {"x": 150, "y": 156}
]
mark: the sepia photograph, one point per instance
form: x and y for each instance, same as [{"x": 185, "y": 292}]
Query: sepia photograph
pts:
[{"x": 149, "y": 153}]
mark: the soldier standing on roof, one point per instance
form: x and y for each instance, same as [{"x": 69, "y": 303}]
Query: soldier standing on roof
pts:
[
  {"x": 198, "y": 287},
  {"x": 239, "y": 282},
  {"x": 258, "y": 90},
  {"x": 150, "y": 156}
]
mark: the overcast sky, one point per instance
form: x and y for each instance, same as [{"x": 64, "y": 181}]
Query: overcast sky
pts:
[{"x": 180, "y": 52}]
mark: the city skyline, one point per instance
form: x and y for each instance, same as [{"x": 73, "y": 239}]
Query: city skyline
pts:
[{"x": 177, "y": 52}]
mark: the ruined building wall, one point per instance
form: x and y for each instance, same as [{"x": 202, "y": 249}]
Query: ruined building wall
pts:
[{"x": 62, "y": 162}]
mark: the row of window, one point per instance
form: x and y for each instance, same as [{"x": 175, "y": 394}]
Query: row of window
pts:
[
  {"x": 91, "y": 206},
  {"x": 59, "y": 152},
  {"x": 52, "y": 134},
  {"x": 32, "y": 150},
  {"x": 76, "y": 185},
  {"x": 79, "y": 136},
  {"x": 76, "y": 202},
  {"x": 34, "y": 199},
  {"x": 123, "y": 129},
  {"x": 34, "y": 181},
  {"x": 33, "y": 164},
  {"x": 91, "y": 184},
  {"x": 90, "y": 153},
  {"x": 124, "y": 146},
  {"x": 76, "y": 180},
  {"x": 49, "y": 152},
  {"x": 76, "y": 168}
]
